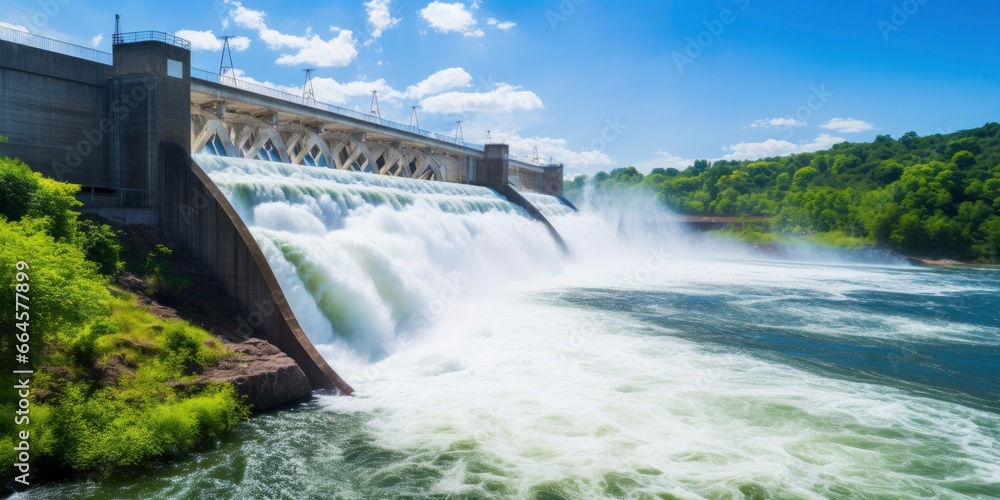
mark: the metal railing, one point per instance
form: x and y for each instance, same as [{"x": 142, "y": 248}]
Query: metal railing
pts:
[
  {"x": 532, "y": 161},
  {"x": 60, "y": 47},
  {"x": 257, "y": 88},
  {"x": 150, "y": 36}
]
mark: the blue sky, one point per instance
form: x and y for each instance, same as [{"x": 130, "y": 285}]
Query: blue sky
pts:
[{"x": 598, "y": 84}]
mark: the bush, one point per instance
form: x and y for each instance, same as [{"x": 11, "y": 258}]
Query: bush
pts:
[
  {"x": 160, "y": 275},
  {"x": 100, "y": 243}
]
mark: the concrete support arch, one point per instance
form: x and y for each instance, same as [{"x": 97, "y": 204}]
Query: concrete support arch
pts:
[
  {"x": 349, "y": 153},
  {"x": 305, "y": 146}
]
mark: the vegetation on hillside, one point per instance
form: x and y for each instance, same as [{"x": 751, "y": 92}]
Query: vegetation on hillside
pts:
[
  {"x": 936, "y": 196},
  {"x": 113, "y": 385}
]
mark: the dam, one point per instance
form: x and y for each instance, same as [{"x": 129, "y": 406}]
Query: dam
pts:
[{"x": 152, "y": 141}]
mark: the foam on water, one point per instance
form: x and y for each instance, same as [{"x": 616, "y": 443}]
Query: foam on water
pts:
[{"x": 486, "y": 365}]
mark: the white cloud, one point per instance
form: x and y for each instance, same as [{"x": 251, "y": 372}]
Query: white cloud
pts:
[
  {"x": 665, "y": 160},
  {"x": 847, "y": 125},
  {"x": 778, "y": 122},
  {"x": 331, "y": 91},
  {"x": 98, "y": 38},
  {"x": 379, "y": 19},
  {"x": 503, "y": 98},
  {"x": 451, "y": 17},
  {"x": 776, "y": 147},
  {"x": 206, "y": 40},
  {"x": 15, "y": 27},
  {"x": 440, "y": 81},
  {"x": 501, "y": 25},
  {"x": 312, "y": 50},
  {"x": 556, "y": 149}
]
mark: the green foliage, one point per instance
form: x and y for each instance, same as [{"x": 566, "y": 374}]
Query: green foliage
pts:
[
  {"x": 159, "y": 272},
  {"x": 100, "y": 429},
  {"x": 101, "y": 245},
  {"x": 114, "y": 386},
  {"x": 933, "y": 196},
  {"x": 17, "y": 186},
  {"x": 65, "y": 291}
]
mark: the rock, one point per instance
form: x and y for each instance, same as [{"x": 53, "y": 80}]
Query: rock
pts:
[{"x": 261, "y": 372}]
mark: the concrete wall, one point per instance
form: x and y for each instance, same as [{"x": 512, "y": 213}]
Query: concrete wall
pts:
[
  {"x": 51, "y": 107},
  {"x": 198, "y": 213},
  {"x": 148, "y": 102}
]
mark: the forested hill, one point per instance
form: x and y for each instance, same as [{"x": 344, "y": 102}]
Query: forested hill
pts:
[{"x": 933, "y": 196}]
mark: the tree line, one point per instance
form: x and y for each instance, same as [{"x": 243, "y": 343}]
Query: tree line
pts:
[{"x": 936, "y": 196}]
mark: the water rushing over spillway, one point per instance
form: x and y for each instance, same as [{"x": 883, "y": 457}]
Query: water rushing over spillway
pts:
[
  {"x": 364, "y": 259},
  {"x": 649, "y": 365}
]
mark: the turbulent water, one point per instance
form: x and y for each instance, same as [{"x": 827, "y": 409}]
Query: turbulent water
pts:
[{"x": 650, "y": 364}]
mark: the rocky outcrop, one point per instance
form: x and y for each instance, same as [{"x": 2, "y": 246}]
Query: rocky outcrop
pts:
[{"x": 261, "y": 372}]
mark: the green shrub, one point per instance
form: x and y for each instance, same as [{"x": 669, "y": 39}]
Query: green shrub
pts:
[
  {"x": 159, "y": 272},
  {"x": 100, "y": 243}
]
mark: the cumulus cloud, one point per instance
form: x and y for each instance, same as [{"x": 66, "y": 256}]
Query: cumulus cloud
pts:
[
  {"x": 15, "y": 27},
  {"x": 556, "y": 149},
  {"x": 206, "y": 40},
  {"x": 501, "y": 25},
  {"x": 778, "y": 122},
  {"x": 777, "y": 147},
  {"x": 503, "y": 98},
  {"x": 451, "y": 18},
  {"x": 379, "y": 19},
  {"x": 446, "y": 79},
  {"x": 313, "y": 50},
  {"x": 665, "y": 160},
  {"x": 96, "y": 41},
  {"x": 847, "y": 125}
]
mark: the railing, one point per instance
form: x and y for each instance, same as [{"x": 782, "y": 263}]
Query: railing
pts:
[
  {"x": 532, "y": 161},
  {"x": 257, "y": 88},
  {"x": 41, "y": 42},
  {"x": 150, "y": 36}
]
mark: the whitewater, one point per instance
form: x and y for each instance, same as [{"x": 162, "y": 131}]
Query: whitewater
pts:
[{"x": 651, "y": 363}]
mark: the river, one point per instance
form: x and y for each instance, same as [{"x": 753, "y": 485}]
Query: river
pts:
[{"x": 650, "y": 363}]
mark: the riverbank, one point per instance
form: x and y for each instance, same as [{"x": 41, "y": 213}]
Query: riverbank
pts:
[{"x": 156, "y": 371}]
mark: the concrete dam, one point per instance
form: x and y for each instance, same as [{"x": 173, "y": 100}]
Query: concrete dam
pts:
[{"x": 296, "y": 206}]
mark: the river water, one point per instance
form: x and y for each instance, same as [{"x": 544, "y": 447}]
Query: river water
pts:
[{"x": 649, "y": 364}]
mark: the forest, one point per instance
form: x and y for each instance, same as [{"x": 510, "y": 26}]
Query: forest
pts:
[{"x": 936, "y": 196}]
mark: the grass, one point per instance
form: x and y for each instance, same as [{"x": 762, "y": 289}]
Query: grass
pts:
[{"x": 124, "y": 391}]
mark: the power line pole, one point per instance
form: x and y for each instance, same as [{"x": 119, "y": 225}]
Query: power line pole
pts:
[
  {"x": 458, "y": 132},
  {"x": 414, "y": 122},
  {"x": 223, "y": 69},
  {"x": 307, "y": 89},
  {"x": 375, "y": 111}
]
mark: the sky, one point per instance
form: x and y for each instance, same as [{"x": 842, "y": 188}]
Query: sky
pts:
[{"x": 598, "y": 84}]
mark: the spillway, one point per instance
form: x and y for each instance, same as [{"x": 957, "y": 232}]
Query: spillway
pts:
[{"x": 364, "y": 258}]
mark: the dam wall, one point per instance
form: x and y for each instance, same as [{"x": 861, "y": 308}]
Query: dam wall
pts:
[
  {"x": 52, "y": 108},
  {"x": 120, "y": 126},
  {"x": 203, "y": 219}
]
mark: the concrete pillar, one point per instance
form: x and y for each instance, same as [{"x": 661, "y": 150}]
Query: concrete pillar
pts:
[
  {"x": 552, "y": 180},
  {"x": 493, "y": 169},
  {"x": 148, "y": 103}
]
